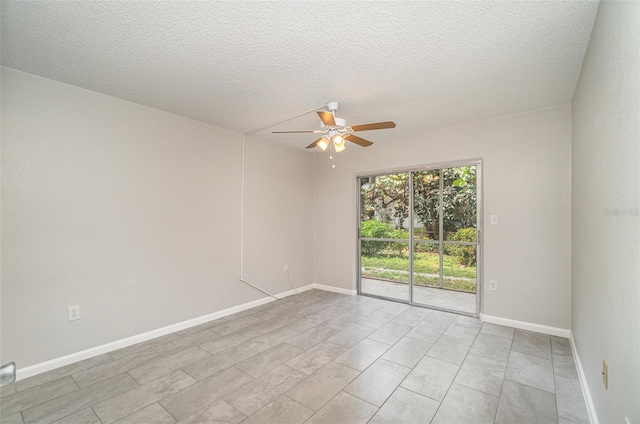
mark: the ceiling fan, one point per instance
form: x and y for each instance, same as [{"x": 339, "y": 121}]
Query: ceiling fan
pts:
[{"x": 335, "y": 130}]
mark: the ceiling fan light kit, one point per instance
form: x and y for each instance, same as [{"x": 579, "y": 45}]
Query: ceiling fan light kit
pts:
[
  {"x": 336, "y": 131},
  {"x": 323, "y": 143}
]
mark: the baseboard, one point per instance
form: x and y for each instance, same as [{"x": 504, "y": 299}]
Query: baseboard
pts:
[
  {"x": 35, "y": 369},
  {"x": 297, "y": 290},
  {"x": 529, "y": 326},
  {"x": 553, "y": 331},
  {"x": 593, "y": 417},
  {"x": 335, "y": 289}
]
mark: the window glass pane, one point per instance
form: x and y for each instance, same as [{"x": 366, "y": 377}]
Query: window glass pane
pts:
[
  {"x": 384, "y": 206},
  {"x": 385, "y": 269},
  {"x": 459, "y": 267},
  {"x": 426, "y": 204},
  {"x": 426, "y": 265},
  {"x": 459, "y": 201}
]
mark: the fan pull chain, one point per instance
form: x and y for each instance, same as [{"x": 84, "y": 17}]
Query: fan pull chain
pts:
[
  {"x": 332, "y": 154},
  {"x": 333, "y": 148}
]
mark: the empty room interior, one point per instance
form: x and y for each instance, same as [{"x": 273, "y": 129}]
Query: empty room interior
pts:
[{"x": 320, "y": 212}]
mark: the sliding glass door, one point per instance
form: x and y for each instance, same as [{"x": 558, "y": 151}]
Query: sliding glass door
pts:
[
  {"x": 419, "y": 236},
  {"x": 384, "y": 237}
]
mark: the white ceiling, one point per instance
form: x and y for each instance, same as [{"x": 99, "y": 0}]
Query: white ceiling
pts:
[{"x": 241, "y": 65}]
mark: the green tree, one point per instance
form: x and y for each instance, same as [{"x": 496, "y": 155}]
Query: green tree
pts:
[
  {"x": 385, "y": 198},
  {"x": 382, "y": 194}
]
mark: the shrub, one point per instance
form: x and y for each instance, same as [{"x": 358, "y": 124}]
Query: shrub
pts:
[
  {"x": 429, "y": 248},
  {"x": 466, "y": 255},
  {"x": 373, "y": 228},
  {"x": 399, "y": 247},
  {"x": 400, "y": 234}
]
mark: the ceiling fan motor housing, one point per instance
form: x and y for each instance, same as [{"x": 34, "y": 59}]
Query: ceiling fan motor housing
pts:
[{"x": 333, "y": 106}]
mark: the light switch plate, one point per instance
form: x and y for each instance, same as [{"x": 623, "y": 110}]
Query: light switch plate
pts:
[{"x": 494, "y": 219}]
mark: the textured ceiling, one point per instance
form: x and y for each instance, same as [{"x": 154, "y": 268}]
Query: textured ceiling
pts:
[{"x": 241, "y": 65}]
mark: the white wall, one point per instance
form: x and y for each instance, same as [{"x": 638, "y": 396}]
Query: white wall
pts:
[
  {"x": 526, "y": 182},
  {"x": 133, "y": 214},
  {"x": 605, "y": 212},
  {"x": 278, "y": 211}
]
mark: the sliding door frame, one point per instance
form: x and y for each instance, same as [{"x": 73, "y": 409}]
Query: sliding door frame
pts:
[{"x": 477, "y": 162}]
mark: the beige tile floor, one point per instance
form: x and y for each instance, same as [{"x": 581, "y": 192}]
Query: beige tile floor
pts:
[{"x": 317, "y": 357}]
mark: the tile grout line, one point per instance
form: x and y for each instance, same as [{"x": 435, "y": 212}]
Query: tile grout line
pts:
[
  {"x": 103, "y": 400},
  {"x": 112, "y": 359},
  {"x": 253, "y": 379},
  {"x": 459, "y": 367},
  {"x": 334, "y": 396},
  {"x": 505, "y": 374},
  {"x": 175, "y": 418},
  {"x": 94, "y": 413},
  {"x": 4, "y": 398},
  {"x": 61, "y": 376},
  {"x": 554, "y": 380},
  {"x": 341, "y": 303},
  {"x": 553, "y": 369},
  {"x": 477, "y": 390},
  {"x": 432, "y": 344},
  {"x": 412, "y": 368},
  {"x": 359, "y": 374}
]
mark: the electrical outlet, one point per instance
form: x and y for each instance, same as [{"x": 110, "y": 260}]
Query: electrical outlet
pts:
[
  {"x": 605, "y": 374},
  {"x": 286, "y": 268},
  {"x": 493, "y": 285},
  {"x": 74, "y": 312}
]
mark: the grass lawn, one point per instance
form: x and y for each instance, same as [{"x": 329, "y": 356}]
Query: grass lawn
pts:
[{"x": 383, "y": 265}]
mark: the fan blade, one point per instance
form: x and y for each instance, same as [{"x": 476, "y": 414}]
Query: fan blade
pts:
[
  {"x": 327, "y": 118},
  {"x": 296, "y": 131},
  {"x": 314, "y": 144},
  {"x": 359, "y": 141},
  {"x": 374, "y": 126}
]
